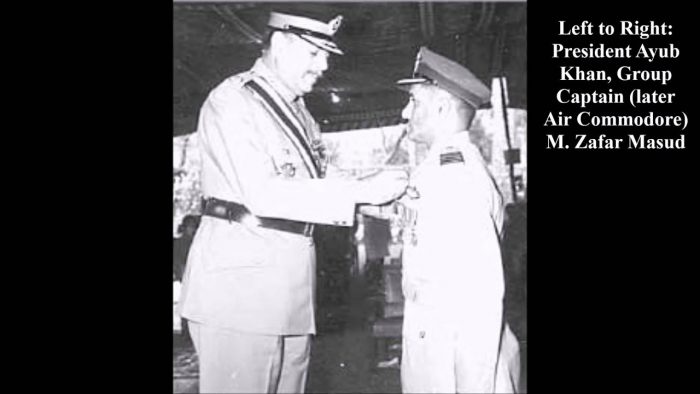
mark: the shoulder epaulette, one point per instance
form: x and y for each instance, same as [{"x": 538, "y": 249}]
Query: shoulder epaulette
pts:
[{"x": 451, "y": 155}]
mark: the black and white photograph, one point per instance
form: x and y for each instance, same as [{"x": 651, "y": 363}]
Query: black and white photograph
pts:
[{"x": 350, "y": 197}]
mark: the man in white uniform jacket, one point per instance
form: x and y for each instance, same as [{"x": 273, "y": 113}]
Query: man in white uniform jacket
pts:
[
  {"x": 248, "y": 289},
  {"x": 452, "y": 270}
]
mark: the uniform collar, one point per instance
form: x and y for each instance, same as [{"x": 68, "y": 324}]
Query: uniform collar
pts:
[
  {"x": 261, "y": 69},
  {"x": 456, "y": 140}
]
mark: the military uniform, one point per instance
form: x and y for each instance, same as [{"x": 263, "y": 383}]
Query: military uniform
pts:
[
  {"x": 453, "y": 279},
  {"x": 452, "y": 272},
  {"x": 248, "y": 290},
  {"x": 244, "y": 277}
]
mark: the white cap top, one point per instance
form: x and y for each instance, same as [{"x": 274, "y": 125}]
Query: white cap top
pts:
[{"x": 315, "y": 32}]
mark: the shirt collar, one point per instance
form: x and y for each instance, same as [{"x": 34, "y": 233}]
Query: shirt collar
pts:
[
  {"x": 457, "y": 140},
  {"x": 261, "y": 69}
]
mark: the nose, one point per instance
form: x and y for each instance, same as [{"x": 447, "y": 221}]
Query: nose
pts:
[
  {"x": 321, "y": 62},
  {"x": 407, "y": 110}
]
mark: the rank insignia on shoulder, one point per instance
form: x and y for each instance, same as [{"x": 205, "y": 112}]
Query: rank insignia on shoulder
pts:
[
  {"x": 451, "y": 157},
  {"x": 288, "y": 170}
]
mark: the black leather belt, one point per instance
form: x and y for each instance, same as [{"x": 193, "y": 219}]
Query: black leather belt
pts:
[{"x": 235, "y": 212}]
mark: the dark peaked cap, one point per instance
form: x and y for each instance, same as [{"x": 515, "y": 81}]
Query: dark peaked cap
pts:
[{"x": 448, "y": 75}]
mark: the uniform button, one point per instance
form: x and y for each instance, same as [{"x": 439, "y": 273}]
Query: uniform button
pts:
[{"x": 421, "y": 334}]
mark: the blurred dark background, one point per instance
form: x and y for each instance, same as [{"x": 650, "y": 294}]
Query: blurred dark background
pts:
[{"x": 380, "y": 41}]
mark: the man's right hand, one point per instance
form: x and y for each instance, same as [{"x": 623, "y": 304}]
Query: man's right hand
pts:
[{"x": 383, "y": 187}]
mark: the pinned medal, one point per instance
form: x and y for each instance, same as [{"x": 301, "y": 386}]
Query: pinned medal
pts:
[
  {"x": 320, "y": 156},
  {"x": 288, "y": 170},
  {"x": 402, "y": 220}
]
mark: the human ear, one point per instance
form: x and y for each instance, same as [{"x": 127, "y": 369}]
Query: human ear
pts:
[{"x": 443, "y": 105}]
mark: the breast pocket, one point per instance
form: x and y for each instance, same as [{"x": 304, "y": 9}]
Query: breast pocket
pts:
[
  {"x": 288, "y": 162},
  {"x": 227, "y": 246}
]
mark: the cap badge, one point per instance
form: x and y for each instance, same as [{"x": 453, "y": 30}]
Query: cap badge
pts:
[{"x": 334, "y": 24}]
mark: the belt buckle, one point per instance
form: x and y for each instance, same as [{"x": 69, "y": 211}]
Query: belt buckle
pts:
[
  {"x": 229, "y": 214},
  {"x": 308, "y": 229}
]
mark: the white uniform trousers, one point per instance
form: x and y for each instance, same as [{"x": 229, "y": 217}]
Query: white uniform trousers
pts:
[
  {"x": 441, "y": 356},
  {"x": 236, "y": 362}
]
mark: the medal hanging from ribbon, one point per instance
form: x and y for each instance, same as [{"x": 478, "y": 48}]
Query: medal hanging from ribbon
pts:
[
  {"x": 318, "y": 148},
  {"x": 402, "y": 220}
]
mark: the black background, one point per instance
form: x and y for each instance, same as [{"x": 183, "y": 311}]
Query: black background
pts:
[{"x": 611, "y": 236}]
